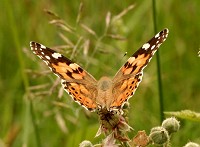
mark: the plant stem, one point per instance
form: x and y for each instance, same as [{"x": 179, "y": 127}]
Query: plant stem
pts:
[{"x": 158, "y": 66}]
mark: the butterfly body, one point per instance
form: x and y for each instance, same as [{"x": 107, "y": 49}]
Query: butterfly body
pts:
[{"x": 107, "y": 93}]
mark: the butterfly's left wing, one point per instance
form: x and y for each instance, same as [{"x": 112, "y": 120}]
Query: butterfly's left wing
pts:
[
  {"x": 130, "y": 74},
  {"x": 76, "y": 81}
]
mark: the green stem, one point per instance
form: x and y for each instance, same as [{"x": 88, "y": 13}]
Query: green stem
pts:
[{"x": 158, "y": 66}]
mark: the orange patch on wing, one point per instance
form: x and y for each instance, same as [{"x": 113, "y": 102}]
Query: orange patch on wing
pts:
[
  {"x": 126, "y": 90},
  {"x": 118, "y": 102},
  {"x": 77, "y": 76},
  {"x": 131, "y": 80},
  {"x": 80, "y": 93},
  {"x": 127, "y": 71},
  {"x": 62, "y": 67},
  {"x": 141, "y": 60},
  {"x": 124, "y": 85},
  {"x": 84, "y": 90},
  {"x": 89, "y": 103}
]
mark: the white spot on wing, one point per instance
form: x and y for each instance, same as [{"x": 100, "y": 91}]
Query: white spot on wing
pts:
[
  {"x": 146, "y": 46},
  {"x": 152, "y": 47},
  {"x": 157, "y": 35},
  {"x": 42, "y": 46},
  {"x": 56, "y": 55},
  {"x": 39, "y": 56},
  {"x": 48, "y": 58},
  {"x": 153, "y": 53},
  {"x": 46, "y": 62},
  {"x": 158, "y": 45}
]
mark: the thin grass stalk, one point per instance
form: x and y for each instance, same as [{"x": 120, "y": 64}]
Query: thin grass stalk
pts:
[
  {"x": 160, "y": 90},
  {"x": 20, "y": 55},
  {"x": 37, "y": 135}
]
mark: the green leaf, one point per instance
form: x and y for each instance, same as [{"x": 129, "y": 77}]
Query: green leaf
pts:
[{"x": 186, "y": 114}]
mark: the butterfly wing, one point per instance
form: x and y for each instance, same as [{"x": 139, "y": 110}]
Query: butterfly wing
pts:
[
  {"x": 130, "y": 74},
  {"x": 76, "y": 81}
]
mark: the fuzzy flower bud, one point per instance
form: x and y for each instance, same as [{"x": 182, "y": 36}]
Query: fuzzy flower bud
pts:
[
  {"x": 159, "y": 135},
  {"x": 171, "y": 125},
  {"x": 85, "y": 143},
  {"x": 192, "y": 144}
]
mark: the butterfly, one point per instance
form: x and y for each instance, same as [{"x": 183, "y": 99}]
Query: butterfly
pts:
[{"x": 108, "y": 93}]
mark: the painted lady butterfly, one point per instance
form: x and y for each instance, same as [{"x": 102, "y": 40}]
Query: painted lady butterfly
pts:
[{"x": 106, "y": 93}]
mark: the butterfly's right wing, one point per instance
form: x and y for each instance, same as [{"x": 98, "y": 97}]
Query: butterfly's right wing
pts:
[
  {"x": 77, "y": 82},
  {"x": 130, "y": 74}
]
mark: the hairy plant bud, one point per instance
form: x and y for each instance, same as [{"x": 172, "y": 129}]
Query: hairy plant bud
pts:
[
  {"x": 171, "y": 125},
  {"x": 159, "y": 135},
  {"x": 85, "y": 143},
  {"x": 192, "y": 144}
]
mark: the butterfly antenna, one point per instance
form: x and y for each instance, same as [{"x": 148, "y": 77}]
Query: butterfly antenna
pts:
[
  {"x": 121, "y": 58},
  {"x": 124, "y": 56}
]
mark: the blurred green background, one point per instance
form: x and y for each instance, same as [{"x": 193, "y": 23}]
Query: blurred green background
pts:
[{"x": 35, "y": 112}]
